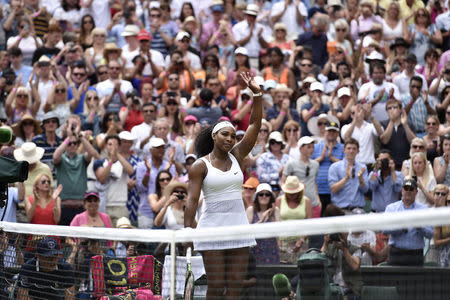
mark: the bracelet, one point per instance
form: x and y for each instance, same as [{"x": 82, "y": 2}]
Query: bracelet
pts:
[
  {"x": 311, "y": 111},
  {"x": 66, "y": 141},
  {"x": 257, "y": 94},
  {"x": 14, "y": 90},
  {"x": 147, "y": 173},
  {"x": 282, "y": 113},
  {"x": 35, "y": 14},
  {"x": 19, "y": 38},
  {"x": 411, "y": 103},
  {"x": 250, "y": 102},
  {"x": 110, "y": 163}
]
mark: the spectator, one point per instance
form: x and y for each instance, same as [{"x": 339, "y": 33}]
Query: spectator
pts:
[
  {"x": 364, "y": 132},
  {"x": 264, "y": 210},
  {"x": 91, "y": 217},
  {"x": 70, "y": 11},
  {"x": 16, "y": 56},
  {"x": 26, "y": 41},
  {"x": 49, "y": 49},
  {"x": 430, "y": 70},
  {"x": 241, "y": 60},
  {"x": 348, "y": 179},
  {"x": 44, "y": 207},
  {"x": 316, "y": 125},
  {"x": 316, "y": 39},
  {"x": 314, "y": 108},
  {"x": 143, "y": 130},
  {"x": 403, "y": 79},
  {"x": 48, "y": 140},
  {"x": 153, "y": 60},
  {"x": 131, "y": 49},
  {"x": 172, "y": 213},
  {"x": 306, "y": 170},
  {"x": 178, "y": 66},
  {"x": 158, "y": 198},
  {"x": 16, "y": 196},
  {"x": 417, "y": 105},
  {"x": 251, "y": 35},
  {"x": 278, "y": 71},
  {"x": 71, "y": 171},
  {"x": 406, "y": 245},
  {"x": 327, "y": 152},
  {"x": 192, "y": 60},
  {"x": 290, "y": 13},
  {"x": 131, "y": 114},
  {"x": 162, "y": 28},
  {"x": 241, "y": 115},
  {"x": 212, "y": 32},
  {"x": 281, "y": 112},
  {"x": 248, "y": 191},
  {"x": 384, "y": 182},
  {"x": 432, "y": 138},
  {"x": 291, "y": 134},
  {"x": 293, "y": 205},
  {"x": 112, "y": 176},
  {"x": 423, "y": 174},
  {"x": 85, "y": 38},
  {"x": 25, "y": 130},
  {"x": 206, "y": 113},
  {"x": 346, "y": 100},
  {"x": 146, "y": 173},
  {"x": 441, "y": 163},
  {"x": 393, "y": 25},
  {"x": 441, "y": 233},
  {"x": 378, "y": 91},
  {"x": 93, "y": 112},
  {"x": 270, "y": 164},
  {"x": 51, "y": 280},
  {"x": 280, "y": 39},
  {"x": 113, "y": 90}
]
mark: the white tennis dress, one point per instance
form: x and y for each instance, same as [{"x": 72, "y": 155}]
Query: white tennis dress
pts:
[{"x": 223, "y": 205}]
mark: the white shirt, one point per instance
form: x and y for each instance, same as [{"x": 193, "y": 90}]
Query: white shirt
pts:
[
  {"x": 105, "y": 88},
  {"x": 198, "y": 5},
  {"x": 194, "y": 60},
  {"x": 73, "y": 16},
  {"x": 141, "y": 132},
  {"x": 241, "y": 31},
  {"x": 372, "y": 90},
  {"x": 402, "y": 81},
  {"x": 44, "y": 89},
  {"x": 365, "y": 135},
  {"x": 50, "y": 5},
  {"x": 289, "y": 17},
  {"x": 390, "y": 33},
  {"x": 157, "y": 59},
  {"x": 129, "y": 55},
  {"x": 97, "y": 11},
  {"x": 27, "y": 45}
]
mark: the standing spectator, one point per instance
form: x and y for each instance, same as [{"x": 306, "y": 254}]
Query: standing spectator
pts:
[
  {"x": 143, "y": 130},
  {"x": 185, "y": 80},
  {"x": 441, "y": 163},
  {"x": 443, "y": 24},
  {"x": 378, "y": 91},
  {"x": 17, "y": 64},
  {"x": 25, "y": 130},
  {"x": 251, "y": 35},
  {"x": 327, "y": 152},
  {"x": 191, "y": 60},
  {"x": 113, "y": 90},
  {"x": 397, "y": 133},
  {"x": 281, "y": 112},
  {"x": 423, "y": 174},
  {"x": 270, "y": 164},
  {"x": 71, "y": 12},
  {"x": 393, "y": 25},
  {"x": 360, "y": 25},
  {"x": 385, "y": 182},
  {"x": 348, "y": 179},
  {"x": 112, "y": 175},
  {"x": 131, "y": 49},
  {"x": 212, "y": 31},
  {"x": 314, "y": 108},
  {"x": 26, "y": 41},
  {"x": 206, "y": 113},
  {"x": 316, "y": 39},
  {"x": 408, "y": 8},
  {"x": 403, "y": 79},
  {"x": 48, "y": 139},
  {"x": 306, "y": 170},
  {"x": 406, "y": 245},
  {"x": 146, "y": 174},
  {"x": 97, "y": 9},
  {"x": 162, "y": 29},
  {"x": 85, "y": 38},
  {"x": 49, "y": 49},
  {"x": 442, "y": 233},
  {"x": 277, "y": 70},
  {"x": 291, "y": 13},
  {"x": 364, "y": 132},
  {"x": 95, "y": 53},
  {"x": 44, "y": 83},
  {"x": 417, "y": 106},
  {"x": 71, "y": 172}
]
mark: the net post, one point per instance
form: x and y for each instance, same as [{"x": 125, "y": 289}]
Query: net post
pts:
[{"x": 172, "y": 266}]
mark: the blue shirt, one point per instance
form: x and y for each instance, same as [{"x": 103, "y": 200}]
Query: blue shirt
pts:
[
  {"x": 25, "y": 71},
  {"x": 352, "y": 194},
  {"x": 273, "y": 112},
  {"x": 386, "y": 192},
  {"x": 318, "y": 44},
  {"x": 324, "y": 108},
  {"x": 418, "y": 113},
  {"x": 13, "y": 200},
  {"x": 80, "y": 108},
  {"x": 268, "y": 167},
  {"x": 322, "y": 176},
  {"x": 410, "y": 238}
]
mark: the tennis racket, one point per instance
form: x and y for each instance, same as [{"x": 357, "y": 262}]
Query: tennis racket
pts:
[{"x": 189, "y": 284}]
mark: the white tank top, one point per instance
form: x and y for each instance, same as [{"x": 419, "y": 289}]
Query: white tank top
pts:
[{"x": 223, "y": 204}]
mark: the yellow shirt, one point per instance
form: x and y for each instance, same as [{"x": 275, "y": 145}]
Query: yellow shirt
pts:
[
  {"x": 287, "y": 213},
  {"x": 406, "y": 11}
]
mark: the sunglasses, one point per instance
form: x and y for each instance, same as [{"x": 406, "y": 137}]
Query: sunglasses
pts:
[
  {"x": 418, "y": 147},
  {"x": 306, "y": 65},
  {"x": 22, "y": 96},
  {"x": 79, "y": 74},
  {"x": 45, "y": 181},
  {"x": 307, "y": 171},
  {"x": 73, "y": 143},
  {"x": 408, "y": 188},
  {"x": 148, "y": 111},
  {"x": 447, "y": 112},
  {"x": 340, "y": 29},
  {"x": 28, "y": 123},
  {"x": 60, "y": 91},
  {"x": 353, "y": 173},
  {"x": 264, "y": 194},
  {"x": 93, "y": 98},
  {"x": 321, "y": 123},
  {"x": 431, "y": 124},
  {"x": 182, "y": 192},
  {"x": 50, "y": 121},
  {"x": 272, "y": 142},
  {"x": 92, "y": 199},
  {"x": 292, "y": 130},
  {"x": 164, "y": 179},
  {"x": 440, "y": 194},
  {"x": 173, "y": 79},
  {"x": 155, "y": 15},
  {"x": 172, "y": 103},
  {"x": 102, "y": 73}
]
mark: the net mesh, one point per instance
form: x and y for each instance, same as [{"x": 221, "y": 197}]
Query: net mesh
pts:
[{"x": 57, "y": 262}]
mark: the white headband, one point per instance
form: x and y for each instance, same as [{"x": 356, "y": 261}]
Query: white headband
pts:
[{"x": 222, "y": 125}]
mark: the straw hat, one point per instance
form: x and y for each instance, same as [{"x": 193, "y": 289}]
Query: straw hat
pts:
[
  {"x": 16, "y": 127},
  {"x": 173, "y": 185},
  {"x": 29, "y": 152},
  {"x": 109, "y": 47},
  {"x": 312, "y": 123},
  {"x": 124, "y": 222},
  {"x": 282, "y": 88},
  {"x": 292, "y": 185}
]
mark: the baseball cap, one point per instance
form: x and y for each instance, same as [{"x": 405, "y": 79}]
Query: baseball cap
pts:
[
  {"x": 241, "y": 50},
  {"x": 48, "y": 247},
  {"x": 316, "y": 86},
  {"x": 143, "y": 35},
  {"x": 181, "y": 35},
  {"x": 251, "y": 183},
  {"x": 259, "y": 80},
  {"x": 332, "y": 126},
  {"x": 305, "y": 140},
  {"x": 126, "y": 135},
  {"x": 240, "y": 132},
  {"x": 156, "y": 142},
  {"x": 270, "y": 84},
  {"x": 191, "y": 156},
  {"x": 410, "y": 182},
  {"x": 343, "y": 91},
  {"x": 190, "y": 118},
  {"x": 217, "y": 8},
  {"x": 91, "y": 193}
]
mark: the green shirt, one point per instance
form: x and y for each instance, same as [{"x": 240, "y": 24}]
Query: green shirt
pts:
[{"x": 71, "y": 173}]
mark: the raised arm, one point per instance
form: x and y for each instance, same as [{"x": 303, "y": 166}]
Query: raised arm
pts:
[{"x": 243, "y": 148}]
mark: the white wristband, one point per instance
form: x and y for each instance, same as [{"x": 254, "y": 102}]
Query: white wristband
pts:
[{"x": 258, "y": 94}]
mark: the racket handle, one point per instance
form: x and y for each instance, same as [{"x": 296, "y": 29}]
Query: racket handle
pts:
[{"x": 188, "y": 254}]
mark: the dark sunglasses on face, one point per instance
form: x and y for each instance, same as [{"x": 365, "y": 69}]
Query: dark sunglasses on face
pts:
[
  {"x": 28, "y": 123},
  {"x": 102, "y": 73},
  {"x": 73, "y": 143},
  {"x": 306, "y": 65},
  {"x": 92, "y": 199},
  {"x": 292, "y": 130},
  {"x": 79, "y": 74},
  {"x": 44, "y": 181},
  {"x": 22, "y": 96},
  {"x": 93, "y": 98},
  {"x": 60, "y": 91},
  {"x": 264, "y": 194},
  {"x": 166, "y": 179},
  {"x": 272, "y": 142},
  {"x": 408, "y": 188},
  {"x": 148, "y": 111},
  {"x": 353, "y": 172},
  {"x": 50, "y": 121},
  {"x": 418, "y": 147},
  {"x": 440, "y": 194},
  {"x": 321, "y": 123},
  {"x": 179, "y": 192},
  {"x": 172, "y": 103}
]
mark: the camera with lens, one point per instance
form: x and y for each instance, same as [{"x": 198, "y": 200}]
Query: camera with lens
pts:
[
  {"x": 335, "y": 237},
  {"x": 180, "y": 196},
  {"x": 385, "y": 164}
]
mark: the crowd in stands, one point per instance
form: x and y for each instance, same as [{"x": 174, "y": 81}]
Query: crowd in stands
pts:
[{"x": 105, "y": 100}]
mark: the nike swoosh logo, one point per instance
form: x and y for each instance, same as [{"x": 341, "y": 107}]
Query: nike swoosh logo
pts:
[{"x": 235, "y": 173}]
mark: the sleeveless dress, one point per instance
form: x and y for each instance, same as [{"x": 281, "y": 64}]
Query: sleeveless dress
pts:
[
  {"x": 223, "y": 205},
  {"x": 266, "y": 250},
  {"x": 287, "y": 255},
  {"x": 444, "y": 255}
]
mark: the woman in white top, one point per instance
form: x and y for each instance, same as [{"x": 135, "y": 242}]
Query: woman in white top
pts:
[
  {"x": 172, "y": 213},
  {"x": 27, "y": 41},
  {"x": 393, "y": 25},
  {"x": 95, "y": 53},
  {"x": 424, "y": 177},
  {"x": 218, "y": 174}
]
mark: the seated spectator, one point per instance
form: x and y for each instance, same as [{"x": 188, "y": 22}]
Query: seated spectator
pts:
[
  {"x": 171, "y": 214},
  {"x": 110, "y": 125},
  {"x": 16, "y": 195},
  {"x": 406, "y": 245},
  {"x": 432, "y": 138},
  {"x": 278, "y": 71},
  {"x": 316, "y": 38},
  {"x": 417, "y": 145},
  {"x": 291, "y": 134},
  {"x": 25, "y": 130},
  {"x": 348, "y": 179},
  {"x": 346, "y": 270},
  {"x": 315, "y": 107},
  {"x": 281, "y": 112},
  {"x": 424, "y": 177},
  {"x": 44, "y": 207},
  {"x": 403, "y": 79},
  {"x": 26, "y": 41},
  {"x": 316, "y": 125},
  {"x": 293, "y": 205},
  {"x": 442, "y": 233},
  {"x": 441, "y": 163},
  {"x": 92, "y": 217},
  {"x": 264, "y": 210},
  {"x": 270, "y": 164},
  {"x": 384, "y": 182},
  {"x": 249, "y": 190},
  {"x": 157, "y": 199},
  {"x": 20, "y": 103},
  {"x": 47, "y": 276}
]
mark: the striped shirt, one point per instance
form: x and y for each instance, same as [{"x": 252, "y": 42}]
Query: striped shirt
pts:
[
  {"x": 41, "y": 141},
  {"x": 418, "y": 113}
]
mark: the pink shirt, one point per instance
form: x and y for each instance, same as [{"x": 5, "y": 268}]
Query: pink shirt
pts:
[{"x": 82, "y": 219}]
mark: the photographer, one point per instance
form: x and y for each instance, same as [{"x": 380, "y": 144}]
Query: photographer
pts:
[
  {"x": 131, "y": 114},
  {"x": 172, "y": 213},
  {"x": 206, "y": 113},
  {"x": 345, "y": 258},
  {"x": 385, "y": 182}
]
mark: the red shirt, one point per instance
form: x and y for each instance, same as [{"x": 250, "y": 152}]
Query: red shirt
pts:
[
  {"x": 242, "y": 124},
  {"x": 135, "y": 117}
]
